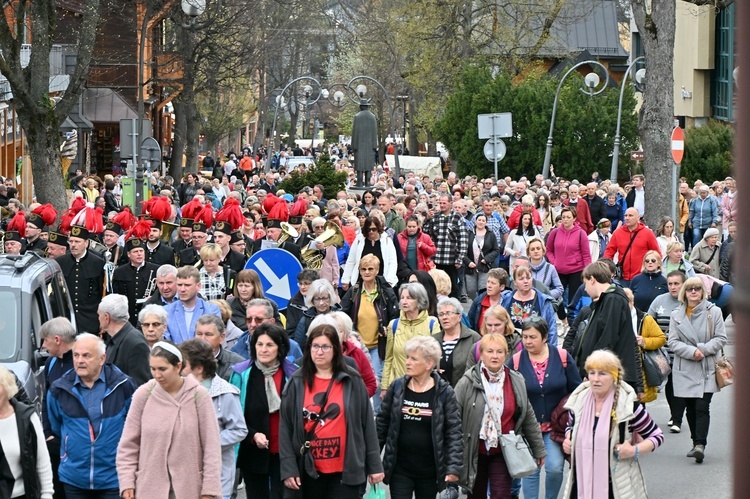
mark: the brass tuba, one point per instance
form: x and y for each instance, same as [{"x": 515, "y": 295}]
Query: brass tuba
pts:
[
  {"x": 331, "y": 236},
  {"x": 167, "y": 228},
  {"x": 287, "y": 231}
]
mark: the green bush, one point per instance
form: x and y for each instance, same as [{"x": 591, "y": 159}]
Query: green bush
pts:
[
  {"x": 708, "y": 152},
  {"x": 324, "y": 173}
]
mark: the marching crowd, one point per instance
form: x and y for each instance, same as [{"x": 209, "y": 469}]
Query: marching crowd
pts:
[{"x": 182, "y": 379}]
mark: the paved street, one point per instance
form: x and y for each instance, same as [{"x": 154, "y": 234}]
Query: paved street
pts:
[{"x": 669, "y": 474}]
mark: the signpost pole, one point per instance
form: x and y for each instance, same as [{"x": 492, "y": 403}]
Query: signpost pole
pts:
[
  {"x": 494, "y": 143},
  {"x": 678, "y": 150},
  {"x": 674, "y": 196}
]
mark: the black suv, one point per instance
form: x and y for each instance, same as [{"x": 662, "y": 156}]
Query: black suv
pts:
[{"x": 32, "y": 291}]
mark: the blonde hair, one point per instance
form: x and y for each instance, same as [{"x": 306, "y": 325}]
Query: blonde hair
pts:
[
  {"x": 8, "y": 382},
  {"x": 609, "y": 362},
  {"x": 654, "y": 254},
  {"x": 693, "y": 281},
  {"x": 493, "y": 338},
  {"x": 210, "y": 250},
  {"x": 442, "y": 281},
  {"x": 370, "y": 260},
  {"x": 500, "y": 313}
]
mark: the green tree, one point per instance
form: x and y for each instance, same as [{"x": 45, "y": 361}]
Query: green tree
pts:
[
  {"x": 324, "y": 173},
  {"x": 584, "y": 125},
  {"x": 708, "y": 152}
]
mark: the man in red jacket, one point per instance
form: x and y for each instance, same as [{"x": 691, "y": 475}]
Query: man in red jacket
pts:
[
  {"x": 583, "y": 214},
  {"x": 643, "y": 240}
]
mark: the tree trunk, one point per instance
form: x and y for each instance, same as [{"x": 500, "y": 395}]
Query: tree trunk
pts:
[
  {"x": 43, "y": 141},
  {"x": 657, "y": 33},
  {"x": 180, "y": 138}
]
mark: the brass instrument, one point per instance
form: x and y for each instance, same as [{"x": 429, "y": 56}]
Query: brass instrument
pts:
[
  {"x": 167, "y": 228},
  {"x": 2, "y": 242},
  {"x": 109, "y": 267},
  {"x": 331, "y": 236},
  {"x": 149, "y": 289},
  {"x": 287, "y": 231}
]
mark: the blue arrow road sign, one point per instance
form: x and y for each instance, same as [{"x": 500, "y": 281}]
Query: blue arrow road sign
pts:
[{"x": 278, "y": 271}]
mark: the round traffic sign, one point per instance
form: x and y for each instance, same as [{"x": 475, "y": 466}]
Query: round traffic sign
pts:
[
  {"x": 277, "y": 269},
  {"x": 494, "y": 147},
  {"x": 678, "y": 144}
]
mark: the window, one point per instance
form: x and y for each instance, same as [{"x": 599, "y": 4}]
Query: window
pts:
[
  {"x": 722, "y": 79},
  {"x": 39, "y": 315},
  {"x": 9, "y": 327}
]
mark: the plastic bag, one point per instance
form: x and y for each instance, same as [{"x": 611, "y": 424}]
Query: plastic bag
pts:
[{"x": 375, "y": 492}]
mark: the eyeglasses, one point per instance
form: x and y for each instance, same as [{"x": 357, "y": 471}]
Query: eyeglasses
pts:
[
  {"x": 321, "y": 298},
  {"x": 368, "y": 269},
  {"x": 447, "y": 314},
  {"x": 318, "y": 227},
  {"x": 533, "y": 320},
  {"x": 372, "y": 229},
  {"x": 255, "y": 320},
  {"x": 321, "y": 348},
  {"x": 651, "y": 260},
  {"x": 694, "y": 289},
  {"x": 150, "y": 324}
]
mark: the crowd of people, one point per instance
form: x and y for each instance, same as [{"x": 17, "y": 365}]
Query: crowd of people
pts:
[{"x": 181, "y": 378}]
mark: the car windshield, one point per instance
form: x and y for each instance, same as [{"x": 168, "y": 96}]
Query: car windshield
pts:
[{"x": 9, "y": 327}]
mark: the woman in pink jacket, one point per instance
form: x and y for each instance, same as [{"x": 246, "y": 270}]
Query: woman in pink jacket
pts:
[
  {"x": 568, "y": 250},
  {"x": 423, "y": 248},
  {"x": 170, "y": 446}
]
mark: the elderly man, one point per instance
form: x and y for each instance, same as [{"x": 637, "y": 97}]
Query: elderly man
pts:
[
  {"x": 597, "y": 205},
  {"x": 88, "y": 405},
  {"x": 583, "y": 215},
  {"x": 211, "y": 329},
  {"x": 166, "y": 285},
  {"x": 184, "y": 313},
  {"x": 126, "y": 345}
]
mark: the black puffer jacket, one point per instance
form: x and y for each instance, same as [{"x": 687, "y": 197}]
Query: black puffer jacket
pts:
[{"x": 446, "y": 428}]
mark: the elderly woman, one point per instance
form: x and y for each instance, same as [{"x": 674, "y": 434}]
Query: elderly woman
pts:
[
  {"x": 200, "y": 361},
  {"x": 482, "y": 252},
  {"x": 696, "y": 336},
  {"x": 321, "y": 298},
  {"x": 26, "y": 470},
  {"x": 261, "y": 380},
  {"x": 551, "y": 375},
  {"x": 413, "y": 321},
  {"x": 705, "y": 254},
  {"x": 171, "y": 437},
  {"x": 247, "y": 287},
  {"x": 153, "y": 321},
  {"x": 419, "y": 425},
  {"x": 568, "y": 250},
  {"x": 650, "y": 283},
  {"x": 493, "y": 401},
  {"x": 674, "y": 259},
  {"x": 526, "y": 302},
  {"x": 343, "y": 325},
  {"x": 605, "y": 415},
  {"x": 416, "y": 246},
  {"x": 497, "y": 281},
  {"x": 328, "y": 442},
  {"x": 372, "y": 241},
  {"x": 456, "y": 340},
  {"x": 233, "y": 333},
  {"x": 217, "y": 281}
]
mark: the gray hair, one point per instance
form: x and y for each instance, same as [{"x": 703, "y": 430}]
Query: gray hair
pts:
[
  {"x": 427, "y": 346},
  {"x": 344, "y": 324},
  {"x": 154, "y": 309},
  {"x": 320, "y": 287},
  {"x": 166, "y": 270},
  {"x": 318, "y": 220},
  {"x": 324, "y": 320},
  {"x": 59, "y": 326},
  {"x": 100, "y": 345},
  {"x": 450, "y": 302},
  {"x": 417, "y": 292},
  {"x": 116, "y": 306},
  {"x": 212, "y": 320},
  {"x": 262, "y": 302}
]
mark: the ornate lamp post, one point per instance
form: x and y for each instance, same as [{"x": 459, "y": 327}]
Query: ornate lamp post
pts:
[{"x": 640, "y": 79}]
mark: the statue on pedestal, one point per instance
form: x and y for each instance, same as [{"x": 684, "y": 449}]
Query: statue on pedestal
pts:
[{"x": 364, "y": 141}]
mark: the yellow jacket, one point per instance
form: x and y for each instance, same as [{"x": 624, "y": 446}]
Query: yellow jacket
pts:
[{"x": 653, "y": 339}]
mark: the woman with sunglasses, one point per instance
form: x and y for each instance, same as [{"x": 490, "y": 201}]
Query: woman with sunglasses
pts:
[
  {"x": 328, "y": 445},
  {"x": 372, "y": 241},
  {"x": 551, "y": 375},
  {"x": 696, "y": 336},
  {"x": 650, "y": 283}
]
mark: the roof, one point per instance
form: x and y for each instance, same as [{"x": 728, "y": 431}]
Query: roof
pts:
[{"x": 585, "y": 25}]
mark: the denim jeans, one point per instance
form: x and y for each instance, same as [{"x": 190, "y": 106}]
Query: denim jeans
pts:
[
  {"x": 553, "y": 470},
  {"x": 698, "y": 235},
  {"x": 377, "y": 367},
  {"x": 722, "y": 300},
  {"x": 73, "y": 492}
]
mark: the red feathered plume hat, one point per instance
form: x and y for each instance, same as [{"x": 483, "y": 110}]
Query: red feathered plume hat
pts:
[
  {"x": 89, "y": 218},
  {"x": 231, "y": 213},
  {"x": 189, "y": 211},
  {"x": 138, "y": 234},
  {"x": 277, "y": 214},
  {"x": 122, "y": 222},
  {"x": 42, "y": 216},
  {"x": 203, "y": 219},
  {"x": 16, "y": 229},
  {"x": 159, "y": 209},
  {"x": 297, "y": 213}
]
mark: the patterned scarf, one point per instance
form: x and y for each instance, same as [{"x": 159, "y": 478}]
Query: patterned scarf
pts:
[
  {"x": 274, "y": 401},
  {"x": 493, "y": 385}
]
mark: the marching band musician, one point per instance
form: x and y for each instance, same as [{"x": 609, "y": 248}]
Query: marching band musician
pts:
[
  {"x": 240, "y": 243},
  {"x": 36, "y": 221},
  {"x": 297, "y": 220},
  {"x": 201, "y": 223},
  {"x": 158, "y": 209},
  {"x": 277, "y": 214},
  {"x": 57, "y": 244},
  {"x": 84, "y": 275},
  {"x": 184, "y": 240},
  {"x": 13, "y": 242},
  {"x": 136, "y": 279},
  {"x": 229, "y": 219}
]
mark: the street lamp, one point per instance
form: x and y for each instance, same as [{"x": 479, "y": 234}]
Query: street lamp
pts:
[
  {"x": 640, "y": 79},
  {"x": 309, "y": 100},
  {"x": 361, "y": 91},
  {"x": 403, "y": 99},
  {"x": 591, "y": 81}
]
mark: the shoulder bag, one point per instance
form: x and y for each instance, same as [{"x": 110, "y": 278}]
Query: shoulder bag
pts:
[
  {"x": 655, "y": 366},
  {"x": 621, "y": 260},
  {"x": 724, "y": 371}
]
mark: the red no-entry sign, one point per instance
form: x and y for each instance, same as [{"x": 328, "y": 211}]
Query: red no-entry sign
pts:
[{"x": 678, "y": 144}]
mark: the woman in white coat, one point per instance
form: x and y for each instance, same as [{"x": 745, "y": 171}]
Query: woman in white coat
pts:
[
  {"x": 696, "y": 336},
  {"x": 373, "y": 240}
]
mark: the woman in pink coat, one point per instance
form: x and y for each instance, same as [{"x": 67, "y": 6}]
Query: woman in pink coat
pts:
[
  {"x": 170, "y": 446},
  {"x": 568, "y": 250},
  {"x": 423, "y": 248}
]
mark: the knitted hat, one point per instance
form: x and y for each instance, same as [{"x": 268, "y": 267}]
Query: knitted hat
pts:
[{"x": 710, "y": 232}]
